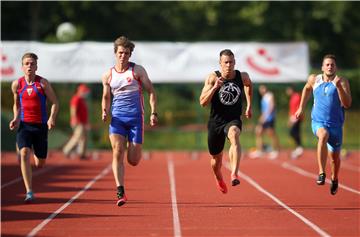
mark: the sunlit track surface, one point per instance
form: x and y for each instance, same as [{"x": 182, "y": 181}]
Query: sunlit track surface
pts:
[{"x": 174, "y": 194}]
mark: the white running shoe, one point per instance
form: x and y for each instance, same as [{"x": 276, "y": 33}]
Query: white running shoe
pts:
[
  {"x": 297, "y": 152},
  {"x": 255, "y": 154},
  {"x": 273, "y": 155}
]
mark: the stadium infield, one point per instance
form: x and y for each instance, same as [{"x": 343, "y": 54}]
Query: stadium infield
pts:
[{"x": 174, "y": 194}]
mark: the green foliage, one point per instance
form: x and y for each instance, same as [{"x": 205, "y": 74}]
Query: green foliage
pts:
[{"x": 328, "y": 27}]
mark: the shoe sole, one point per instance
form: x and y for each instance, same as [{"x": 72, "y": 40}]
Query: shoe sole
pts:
[
  {"x": 320, "y": 183},
  {"x": 119, "y": 203},
  {"x": 235, "y": 182}
]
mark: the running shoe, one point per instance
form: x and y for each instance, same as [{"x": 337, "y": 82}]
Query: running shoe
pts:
[
  {"x": 255, "y": 154},
  {"x": 222, "y": 186},
  {"x": 121, "y": 199},
  {"x": 29, "y": 198},
  {"x": 321, "y": 179},
  {"x": 273, "y": 155},
  {"x": 334, "y": 187},
  {"x": 297, "y": 152},
  {"x": 235, "y": 180}
]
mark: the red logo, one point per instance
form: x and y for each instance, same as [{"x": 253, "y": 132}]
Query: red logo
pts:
[
  {"x": 271, "y": 71},
  {"x": 5, "y": 71}
]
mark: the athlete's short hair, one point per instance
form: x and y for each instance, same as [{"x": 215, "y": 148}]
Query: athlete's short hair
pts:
[
  {"x": 226, "y": 52},
  {"x": 29, "y": 55},
  {"x": 331, "y": 56},
  {"x": 124, "y": 42}
]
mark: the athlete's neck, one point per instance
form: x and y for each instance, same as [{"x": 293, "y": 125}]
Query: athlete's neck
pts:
[
  {"x": 30, "y": 79},
  {"x": 122, "y": 67},
  {"x": 328, "y": 78},
  {"x": 228, "y": 75}
]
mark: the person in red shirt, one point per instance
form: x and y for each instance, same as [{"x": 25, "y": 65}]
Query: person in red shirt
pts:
[
  {"x": 31, "y": 93},
  {"x": 79, "y": 122},
  {"x": 293, "y": 122}
]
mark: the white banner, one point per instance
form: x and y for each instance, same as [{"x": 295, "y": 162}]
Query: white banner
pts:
[{"x": 164, "y": 61}]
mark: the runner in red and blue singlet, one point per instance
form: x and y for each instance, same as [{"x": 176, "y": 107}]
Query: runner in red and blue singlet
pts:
[{"x": 30, "y": 117}]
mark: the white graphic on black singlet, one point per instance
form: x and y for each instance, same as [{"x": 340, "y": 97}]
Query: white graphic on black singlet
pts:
[{"x": 229, "y": 93}]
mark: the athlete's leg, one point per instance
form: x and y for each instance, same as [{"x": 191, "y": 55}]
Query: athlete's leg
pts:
[
  {"x": 322, "y": 150},
  {"x": 39, "y": 163},
  {"x": 216, "y": 163},
  {"x": 134, "y": 153},
  {"x": 73, "y": 141},
  {"x": 335, "y": 162},
  {"x": 118, "y": 143},
  {"x": 235, "y": 149},
  {"x": 274, "y": 138},
  {"x": 25, "y": 166},
  {"x": 82, "y": 143},
  {"x": 259, "y": 137}
]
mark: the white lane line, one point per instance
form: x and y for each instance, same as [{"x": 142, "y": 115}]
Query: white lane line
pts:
[
  {"x": 305, "y": 173},
  {"x": 76, "y": 196},
  {"x": 278, "y": 201},
  {"x": 176, "y": 219},
  {"x": 36, "y": 173},
  {"x": 350, "y": 167}
]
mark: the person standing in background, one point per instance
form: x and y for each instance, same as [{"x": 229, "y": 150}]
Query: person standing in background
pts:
[
  {"x": 31, "y": 93},
  {"x": 79, "y": 122},
  {"x": 293, "y": 122},
  {"x": 266, "y": 123}
]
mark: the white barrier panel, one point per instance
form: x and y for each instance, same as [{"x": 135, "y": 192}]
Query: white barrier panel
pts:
[{"x": 164, "y": 61}]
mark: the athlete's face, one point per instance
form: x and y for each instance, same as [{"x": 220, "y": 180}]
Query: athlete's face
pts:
[
  {"x": 227, "y": 64},
  {"x": 123, "y": 54},
  {"x": 29, "y": 66},
  {"x": 329, "y": 67}
]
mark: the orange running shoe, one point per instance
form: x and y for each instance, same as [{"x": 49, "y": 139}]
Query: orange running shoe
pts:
[
  {"x": 121, "y": 199},
  {"x": 222, "y": 186}
]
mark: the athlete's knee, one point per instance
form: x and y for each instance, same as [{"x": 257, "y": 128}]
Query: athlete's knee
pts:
[
  {"x": 40, "y": 163},
  {"x": 323, "y": 135},
  {"x": 134, "y": 160}
]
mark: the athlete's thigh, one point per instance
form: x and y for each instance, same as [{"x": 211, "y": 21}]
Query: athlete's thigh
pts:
[
  {"x": 335, "y": 139},
  {"x": 216, "y": 138},
  {"x": 136, "y": 130},
  {"x": 40, "y": 144},
  {"x": 118, "y": 142},
  {"x": 24, "y": 136},
  {"x": 118, "y": 126}
]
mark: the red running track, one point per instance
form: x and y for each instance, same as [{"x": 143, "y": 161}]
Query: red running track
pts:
[{"x": 174, "y": 194}]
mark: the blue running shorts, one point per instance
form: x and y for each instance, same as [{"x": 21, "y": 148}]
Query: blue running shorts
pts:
[
  {"x": 335, "y": 135},
  {"x": 130, "y": 127}
]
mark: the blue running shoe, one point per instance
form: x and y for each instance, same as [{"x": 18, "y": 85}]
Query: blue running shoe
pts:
[
  {"x": 334, "y": 187},
  {"x": 321, "y": 179},
  {"x": 29, "y": 198}
]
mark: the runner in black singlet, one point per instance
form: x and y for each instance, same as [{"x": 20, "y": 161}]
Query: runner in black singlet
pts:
[{"x": 224, "y": 90}]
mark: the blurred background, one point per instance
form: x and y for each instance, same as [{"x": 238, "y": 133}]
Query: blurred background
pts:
[{"x": 326, "y": 27}]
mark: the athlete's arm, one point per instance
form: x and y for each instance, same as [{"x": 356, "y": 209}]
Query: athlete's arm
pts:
[
  {"x": 343, "y": 88},
  {"x": 14, "y": 123},
  {"x": 50, "y": 94},
  {"x": 141, "y": 73},
  {"x": 305, "y": 95},
  {"x": 248, "y": 89},
  {"x": 212, "y": 83},
  {"x": 106, "y": 96}
]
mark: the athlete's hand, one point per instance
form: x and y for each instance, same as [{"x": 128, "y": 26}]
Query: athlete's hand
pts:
[
  {"x": 298, "y": 113},
  {"x": 248, "y": 112},
  {"x": 104, "y": 116},
  {"x": 337, "y": 81},
  {"x": 51, "y": 123},
  {"x": 218, "y": 82},
  {"x": 153, "y": 120},
  {"x": 14, "y": 124}
]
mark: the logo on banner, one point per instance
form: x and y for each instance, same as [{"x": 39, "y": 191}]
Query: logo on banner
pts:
[
  {"x": 257, "y": 63},
  {"x": 229, "y": 93},
  {"x": 5, "y": 71}
]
